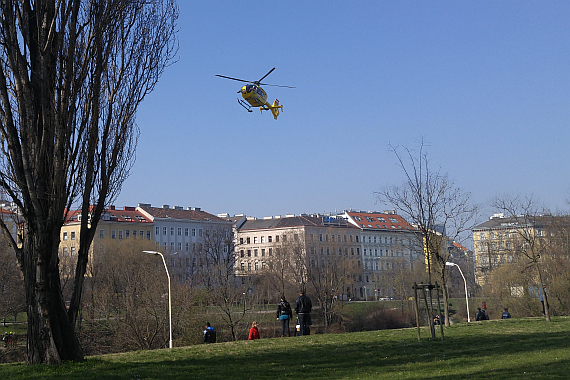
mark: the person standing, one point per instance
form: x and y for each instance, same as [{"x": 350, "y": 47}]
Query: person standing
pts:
[
  {"x": 254, "y": 332},
  {"x": 284, "y": 314},
  {"x": 303, "y": 308},
  {"x": 506, "y": 314},
  {"x": 209, "y": 334}
]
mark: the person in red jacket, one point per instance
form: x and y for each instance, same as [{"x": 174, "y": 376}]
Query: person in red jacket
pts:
[{"x": 254, "y": 332}]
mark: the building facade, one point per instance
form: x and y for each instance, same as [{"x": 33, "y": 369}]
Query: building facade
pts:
[
  {"x": 387, "y": 244},
  {"x": 295, "y": 242},
  {"x": 181, "y": 234},
  {"x": 115, "y": 224}
]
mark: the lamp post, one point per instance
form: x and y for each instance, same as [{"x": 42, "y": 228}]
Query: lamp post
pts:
[
  {"x": 449, "y": 264},
  {"x": 169, "y": 298}
]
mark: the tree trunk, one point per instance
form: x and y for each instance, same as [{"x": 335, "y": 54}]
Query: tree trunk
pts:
[
  {"x": 545, "y": 298},
  {"x": 51, "y": 337}
]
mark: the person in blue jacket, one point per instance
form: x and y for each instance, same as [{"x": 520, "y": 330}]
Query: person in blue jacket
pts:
[{"x": 209, "y": 334}]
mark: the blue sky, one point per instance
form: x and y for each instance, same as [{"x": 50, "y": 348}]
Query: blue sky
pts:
[{"x": 486, "y": 83}]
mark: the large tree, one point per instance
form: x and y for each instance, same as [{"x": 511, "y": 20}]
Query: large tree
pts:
[{"x": 73, "y": 73}]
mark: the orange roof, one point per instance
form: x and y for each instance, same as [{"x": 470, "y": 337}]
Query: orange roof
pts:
[
  {"x": 127, "y": 215},
  {"x": 379, "y": 221}
]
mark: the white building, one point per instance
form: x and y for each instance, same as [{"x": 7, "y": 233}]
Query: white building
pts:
[
  {"x": 180, "y": 233},
  {"x": 387, "y": 242}
]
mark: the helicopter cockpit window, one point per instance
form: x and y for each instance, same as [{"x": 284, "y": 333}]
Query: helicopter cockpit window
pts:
[{"x": 249, "y": 87}]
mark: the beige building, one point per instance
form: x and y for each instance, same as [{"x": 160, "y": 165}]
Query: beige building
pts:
[
  {"x": 123, "y": 224},
  {"x": 497, "y": 241},
  {"x": 310, "y": 239}
]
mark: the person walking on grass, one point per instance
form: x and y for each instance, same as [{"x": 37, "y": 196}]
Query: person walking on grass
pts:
[
  {"x": 284, "y": 314},
  {"x": 303, "y": 308},
  {"x": 254, "y": 332},
  {"x": 506, "y": 314}
]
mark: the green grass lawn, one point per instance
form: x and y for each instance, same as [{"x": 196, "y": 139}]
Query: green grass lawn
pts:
[{"x": 528, "y": 348}]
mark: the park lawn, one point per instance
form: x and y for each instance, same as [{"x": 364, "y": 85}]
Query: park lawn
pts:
[{"x": 520, "y": 348}]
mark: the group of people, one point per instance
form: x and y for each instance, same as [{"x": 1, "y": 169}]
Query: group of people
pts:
[
  {"x": 481, "y": 314},
  {"x": 303, "y": 307}
]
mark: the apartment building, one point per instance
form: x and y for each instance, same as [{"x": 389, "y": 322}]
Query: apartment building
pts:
[
  {"x": 180, "y": 233},
  {"x": 119, "y": 224},
  {"x": 307, "y": 238},
  {"x": 502, "y": 240},
  {"x": 388, "y": 243}
]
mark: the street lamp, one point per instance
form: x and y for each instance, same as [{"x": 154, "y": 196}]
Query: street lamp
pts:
[
  {"x": 169, "y": 302},
  {"x": 465, "y": 282}
]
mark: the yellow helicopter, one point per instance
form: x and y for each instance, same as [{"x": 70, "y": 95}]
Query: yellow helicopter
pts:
[{"x": 254, "y": 96}]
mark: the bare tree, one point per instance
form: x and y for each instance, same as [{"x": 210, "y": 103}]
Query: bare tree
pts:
[
  {"x": 73, "y": 73},
  {"x": 532, "y": 227},
  {"x": 224, "y": 290},
  {"x": 285, "y": 270},
  {"x": 330, "y": 270},
  {"x": 429, "y": 199}
]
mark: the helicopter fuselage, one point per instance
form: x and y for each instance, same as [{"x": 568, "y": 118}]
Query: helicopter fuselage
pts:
[{"x": 254, "y": 95}]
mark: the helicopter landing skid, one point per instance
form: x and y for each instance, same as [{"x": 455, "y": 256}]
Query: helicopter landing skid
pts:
[{"x": 244, "y": 105}]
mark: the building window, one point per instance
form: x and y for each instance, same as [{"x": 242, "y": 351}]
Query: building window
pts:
[
  {"x": 64, "y": 251},
  {"x": 164, "y": 231},
  {"x": 179, "y": 247},
  {"x": 72, "y": 235},
  {"x": 256, "y": 265},
  {"x": 72, "y": 251},
  {"x": 120, "y": 234},
  {"x": 248, "y": 240},
  {"x": 127, "y": 232},
  {"x": 193, "y": 232},
  {"x": 179, "y": 231},
  {"x": 262, "y": 239},
  {"x": 172, "y": 231},
  {"x": 255, "y": 240},
  {"x": 243, "y": 266},
  {"x": 200, "y": 232},
  {"x": 186, "y": 232},
  {"x": 147, "y": 235},
  {"x": 113, "y": 234},
  {"x": 134, "y": 233},
  {"x": 157, "y": 231},
  {"x": 277, "y": 238},
  {"x": 65, "y": 235},
  {"x": 249, "y": 267},
  {"x": 255, "y": 253},
  {"x": 269, "y": 239},
  {"x": 241, "y": 253},
  {"x": 187, "y": 247},
  {"x": 101, "y": 234}
]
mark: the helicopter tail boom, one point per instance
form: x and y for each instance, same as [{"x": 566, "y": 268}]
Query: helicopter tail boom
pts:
[{"x": 274, "y": 108}]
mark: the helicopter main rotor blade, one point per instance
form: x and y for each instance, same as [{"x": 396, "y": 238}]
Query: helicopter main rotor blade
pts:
[
  {"x": 262, "y": 78},
  {"x": 274, "y": 85},
  {"x": 239, "y": 80}
]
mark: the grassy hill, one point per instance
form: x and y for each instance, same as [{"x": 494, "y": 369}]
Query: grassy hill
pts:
[{"x": 521, "y": 348}]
